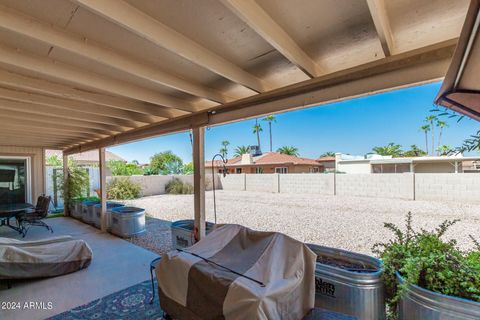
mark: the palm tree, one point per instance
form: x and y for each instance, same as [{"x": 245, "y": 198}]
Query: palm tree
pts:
[
  {"x": 425, "y": 129},
  {"x": 431, "y": 119},
  {"x": 241, "y": 150},
  {"x": 441, "y": 124},
  {"x": 414, "y": 152},
  {"x": 224, "y": 149},
  {"x": 257, "y": 128},
  {"x": 270, "y": 119},
  {"x": 444, "y": 150},
  {"x": 327, "y": 154},
  {"x": 390, "y": 149},
  {"x": 290, "y": 150}
]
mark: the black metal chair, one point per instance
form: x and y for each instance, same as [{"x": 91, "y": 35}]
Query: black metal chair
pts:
[{"x": 35, "y": 217}]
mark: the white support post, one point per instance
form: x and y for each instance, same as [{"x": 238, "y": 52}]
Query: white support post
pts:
[
  {"x": 103, "y": 189},
  {"x": 199, "y": 180},
  {"x": 456, "y": 166},
  {"x": 66, "y": 210}
]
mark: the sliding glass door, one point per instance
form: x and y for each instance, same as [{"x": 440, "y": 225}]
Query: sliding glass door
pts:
[{"x": 14, "y": 180}]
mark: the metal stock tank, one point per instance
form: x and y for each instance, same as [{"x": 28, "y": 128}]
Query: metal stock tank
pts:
[
  {"x": 357, "y": 292},
  {"x": 420, "y": 303}
]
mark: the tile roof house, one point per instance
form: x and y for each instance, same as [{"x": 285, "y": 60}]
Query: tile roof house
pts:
[{"x": 268, "y": 162}]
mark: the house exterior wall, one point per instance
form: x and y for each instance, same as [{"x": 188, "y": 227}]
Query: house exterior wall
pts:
[
  {"x": 271, "y": 168},
  {"x": 37, "y": 166},
  {"x": 354, "y": 166},
  {"x": 443, "y": 167}
]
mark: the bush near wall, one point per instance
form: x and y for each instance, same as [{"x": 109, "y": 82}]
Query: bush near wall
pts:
[
  {"x": 177, "y": 186},
  {"x": 123, "y": 189}
]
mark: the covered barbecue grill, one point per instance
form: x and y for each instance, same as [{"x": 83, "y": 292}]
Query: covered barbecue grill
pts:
[{"x": 238, "y": 273}]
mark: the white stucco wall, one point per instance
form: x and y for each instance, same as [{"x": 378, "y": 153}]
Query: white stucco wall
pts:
[{"x": 354, "y": 166}]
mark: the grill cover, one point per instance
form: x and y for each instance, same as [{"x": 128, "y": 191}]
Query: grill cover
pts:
[{"x": 229, "y": 284}]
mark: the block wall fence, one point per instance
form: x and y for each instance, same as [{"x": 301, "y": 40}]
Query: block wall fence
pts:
[{"x": 408, "y": 186}]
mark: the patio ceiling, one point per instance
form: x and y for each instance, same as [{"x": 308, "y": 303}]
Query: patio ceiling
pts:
[{"x": 82, "y": 74}]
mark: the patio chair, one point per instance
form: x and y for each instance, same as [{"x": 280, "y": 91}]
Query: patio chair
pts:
[{"x": 35, "y": 217}]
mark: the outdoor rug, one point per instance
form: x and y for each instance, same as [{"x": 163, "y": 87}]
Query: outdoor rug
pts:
[{"x": 133, "y": 304}]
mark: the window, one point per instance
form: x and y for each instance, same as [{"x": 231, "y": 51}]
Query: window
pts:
[
  {"x": 314, "y": 170},
  {"x": 238, "y": 170},
  {"x": 258, "y": 170},
  {"x": 281, "y": 170}
]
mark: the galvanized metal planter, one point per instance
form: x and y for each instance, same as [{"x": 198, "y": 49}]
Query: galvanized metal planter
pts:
[
  {"x": 97, "y": 213},
  {"x": 128, "y": 221},
  {"x": 420, "y": 303},
  {"x": 76, "y": 209},
  {"x": 357, "y": 294},
  {"x": 182, "y": 233},
  {"x": 87, "y": 211}
]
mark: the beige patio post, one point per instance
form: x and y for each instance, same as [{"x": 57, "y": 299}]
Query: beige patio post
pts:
[
  {"x": 103, "y": 189},
  {"x": 66, "y": 210},
  {"x": 199, "y": 180}
]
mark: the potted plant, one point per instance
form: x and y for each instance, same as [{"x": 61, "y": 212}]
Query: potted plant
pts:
[{"x": 427, "y": 277}]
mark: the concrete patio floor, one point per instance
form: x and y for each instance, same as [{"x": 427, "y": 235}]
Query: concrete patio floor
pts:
[{"x": 116, "y": 265}]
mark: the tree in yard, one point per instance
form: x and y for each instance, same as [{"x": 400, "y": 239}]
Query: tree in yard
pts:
[
  {"x": 270, "y": 119},
  {"x": 135, "y": 162},
  {"x": 327, "y": 154},
  {"x": 224, "y": 148},
  {"x": 54, "y": 161},
  {"x": 414, "y": 152},
  {"x": 165, "y": 161},
  {"x": 120, "y": 168},
  {"x": 441, "y": 124},
  {"x": 391, "y": 149},
  {"x": 241, "y": 150},
  {"x": 431, "y": 119},
  {"x": 257, "y": 128},
  {"x": 290, "y": 150},
  {"x": 425, "y": 129},
  {"x": 444, "y": 150}
]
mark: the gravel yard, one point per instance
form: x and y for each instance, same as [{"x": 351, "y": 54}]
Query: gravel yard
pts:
[{"x": 351, "y": 223}]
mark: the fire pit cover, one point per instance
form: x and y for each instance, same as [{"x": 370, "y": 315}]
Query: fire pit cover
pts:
[{"x": 238, "y": 273}]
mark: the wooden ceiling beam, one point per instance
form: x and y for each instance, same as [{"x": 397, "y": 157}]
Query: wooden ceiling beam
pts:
[
  {"x": 262, "y": 23},
  {"x": 33, "y": 135},
  {"x": 31, "y": 106},
  {"x": 382, "y": 25},
  {"x": 57, "y": 37},
  {"x": 34, "y": 124},
  {"x": 25, "y": 115},
  {"x": 143, "y": 25},
  {"x": 64, "y": 72},
  {"x": 118, "y": 107}
]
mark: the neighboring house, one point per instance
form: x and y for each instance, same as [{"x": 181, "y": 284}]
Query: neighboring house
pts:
[
  {"x": 89, "y": 158},
  {"x": 269, "y": 162},
  {"x": 328, "y": 163},
  {"x": 426, "y": 164}
]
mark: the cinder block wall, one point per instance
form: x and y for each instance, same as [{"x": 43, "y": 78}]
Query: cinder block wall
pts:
[
  {"x": 398, "y": 186},
  {"x": 262, "y": 182},
  {"x": 447, "y": 186},
  {"x": 233, "y": 182},
  {"x": 307, "y": 183}
]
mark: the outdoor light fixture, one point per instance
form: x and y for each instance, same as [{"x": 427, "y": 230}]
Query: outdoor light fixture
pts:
[{"x": 213, "y": 180}]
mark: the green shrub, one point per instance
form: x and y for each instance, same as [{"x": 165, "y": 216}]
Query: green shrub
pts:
[
  {"x": 177, "y": 186},
  {"x": 423, "y": 258},
  {"x": 123, "y": 189}
]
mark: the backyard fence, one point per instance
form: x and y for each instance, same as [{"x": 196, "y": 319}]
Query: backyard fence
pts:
[{"x": 409, "y": 186}]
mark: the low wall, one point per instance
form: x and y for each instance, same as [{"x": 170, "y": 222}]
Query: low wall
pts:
[
  {"x": 307, "y": 183},
  {"x": 419, "y": 186},
  {"x": 262, "y": 182},
  {"x": 447, "y": 186},
  {"x": 398, "y": 186}
]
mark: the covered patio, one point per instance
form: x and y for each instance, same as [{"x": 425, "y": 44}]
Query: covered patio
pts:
[{"x": 85, "y": 75}]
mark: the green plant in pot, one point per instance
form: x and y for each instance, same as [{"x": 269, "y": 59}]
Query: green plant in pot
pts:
[{"x": 424, "y": 259}]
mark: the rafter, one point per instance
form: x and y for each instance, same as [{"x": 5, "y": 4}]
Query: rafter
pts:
[
  {"x": 118, "y": 107},
  {"x": 92, "y": 80},
  {"x": 145, "y": 26},
  {"x": 15, "y": 125},
  {"x": 382, "y": 25},
  {"x": 260, "y": 21},
  {"x": 34, "y": 108},
  {"x": 57, "y": 37},
  {"x": 54, "y": 119},
  {"x": 18, "y": 132}
]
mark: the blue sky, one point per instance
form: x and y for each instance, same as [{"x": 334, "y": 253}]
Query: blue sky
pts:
[{"x": 353, "y": 127}]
